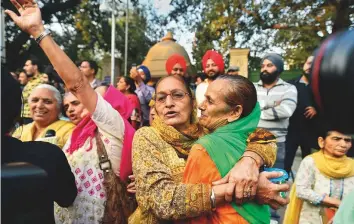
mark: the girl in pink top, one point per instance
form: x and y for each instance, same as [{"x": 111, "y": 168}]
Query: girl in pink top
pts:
[{"x": 127, "y": 86}]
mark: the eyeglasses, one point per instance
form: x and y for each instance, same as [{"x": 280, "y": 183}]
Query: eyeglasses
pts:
[{"x": 176, "y": 95}]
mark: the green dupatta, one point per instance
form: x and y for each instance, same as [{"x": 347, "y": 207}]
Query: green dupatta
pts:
[{"x": 225, "y": 146}]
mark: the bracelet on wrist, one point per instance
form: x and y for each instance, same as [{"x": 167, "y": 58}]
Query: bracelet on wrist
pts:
[
  {"x": 254, "y": 151},
  {"x": 251, "y": 158},
  {"x": 213, "y": 200},
  {"x": 42, "y": 35}
]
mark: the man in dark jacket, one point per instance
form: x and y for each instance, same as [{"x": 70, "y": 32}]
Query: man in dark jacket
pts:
[{"x": 301, "y": 130}]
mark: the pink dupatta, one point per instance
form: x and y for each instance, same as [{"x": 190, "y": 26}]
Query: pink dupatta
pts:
[{"x": 87, "y": 128}]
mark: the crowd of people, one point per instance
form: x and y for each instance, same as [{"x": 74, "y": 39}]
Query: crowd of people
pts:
[{"x": 168, "y": 152}]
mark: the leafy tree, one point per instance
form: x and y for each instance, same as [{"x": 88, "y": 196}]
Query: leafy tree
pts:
[
  {"x": 19, "y": 46},
  {"x": 85, "y": 33},
  {"x": 296, "y": 26}
]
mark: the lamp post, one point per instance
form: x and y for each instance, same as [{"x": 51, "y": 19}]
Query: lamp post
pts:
[
  {"x": 126, "y": 40},
  {"x": 106, "y": 7},
  {"x": 113, "y": 43},
  {"x": 2, "y": 41}
]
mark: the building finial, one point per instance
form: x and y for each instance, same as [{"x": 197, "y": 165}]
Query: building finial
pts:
[{"x": 169, "y": 36}]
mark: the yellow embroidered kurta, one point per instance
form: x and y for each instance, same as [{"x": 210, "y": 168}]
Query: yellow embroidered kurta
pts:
[
  {"x": 158, "y": 171},
  {"x": 63, "y": 130}
]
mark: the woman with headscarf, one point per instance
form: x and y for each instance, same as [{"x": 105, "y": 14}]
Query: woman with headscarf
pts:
[
  {"x": 231, "y": 113},
  {"x": 324, "y": 178},
  {"x": 99, "y": 144},
  {"x": 159, "y": 159}
]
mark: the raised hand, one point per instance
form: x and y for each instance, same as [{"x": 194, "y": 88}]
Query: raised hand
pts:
[{"x": 30, "y": 19}]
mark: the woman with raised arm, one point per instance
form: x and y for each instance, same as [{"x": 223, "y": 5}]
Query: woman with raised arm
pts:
[{"x": 103, "y": 132}]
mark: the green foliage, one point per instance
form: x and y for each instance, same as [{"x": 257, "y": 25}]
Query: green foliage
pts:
[
  {"x": 285, "y": 75},
  {"x": 85, "y": 33},
  {"x": 94, "y": 29},
  {"x": 19, "y": 46},
  {"x": 295, "y": 26}
]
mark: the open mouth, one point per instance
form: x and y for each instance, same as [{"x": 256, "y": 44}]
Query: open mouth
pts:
[
  {"x": 171, "y": 114},
  {"x": 72, "y": 117},
  {"x": 40, "y": 113}
]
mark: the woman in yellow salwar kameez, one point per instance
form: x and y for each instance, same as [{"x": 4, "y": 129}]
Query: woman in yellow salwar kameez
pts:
[{"x": 159, "y": 159}]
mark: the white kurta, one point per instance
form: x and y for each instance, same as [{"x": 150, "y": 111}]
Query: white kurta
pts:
[
  {"x": 311, "y": 184},
  {"x": 88, "y": 206}
]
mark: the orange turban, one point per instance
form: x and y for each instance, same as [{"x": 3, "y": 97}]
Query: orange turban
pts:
[
  {"x": 216, "y": 57},
  {"x": 173, "y": 60}
]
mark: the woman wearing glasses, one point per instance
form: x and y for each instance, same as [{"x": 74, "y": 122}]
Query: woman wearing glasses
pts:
[{"x": 159, "y": 159}]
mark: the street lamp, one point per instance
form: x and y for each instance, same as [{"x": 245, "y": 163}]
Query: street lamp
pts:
[
  {"x": 2, "y": 40},
  {"x": 126, "y": 40},
  {"x": 110, "y": 6}
]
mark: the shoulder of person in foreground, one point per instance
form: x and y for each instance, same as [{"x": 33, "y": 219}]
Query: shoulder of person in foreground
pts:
[
  {"x": 345, "y": 213},
  {"x": 263, "y": 143},
  {"x": 50, "y": 158}
]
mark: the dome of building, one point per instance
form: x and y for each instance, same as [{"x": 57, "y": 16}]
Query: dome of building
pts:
[{"x": 158, "y": 54}]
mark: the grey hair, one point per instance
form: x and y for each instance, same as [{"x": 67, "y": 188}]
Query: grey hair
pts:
[
  {"x": 54, "y": 90},
  {"x": 239, "y": 91},
  {"x": 66, "y": 94}
]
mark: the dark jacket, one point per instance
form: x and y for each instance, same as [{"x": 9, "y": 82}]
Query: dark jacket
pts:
[
  {"x": 58, "y": 184},
  {"x": 298, "y": 121}
]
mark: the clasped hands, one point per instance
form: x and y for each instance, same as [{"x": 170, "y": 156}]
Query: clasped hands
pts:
[{"x": 243, "y": 184}]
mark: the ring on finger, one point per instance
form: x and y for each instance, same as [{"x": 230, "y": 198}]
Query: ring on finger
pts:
[
  {"x": 246, "y": 194},
  {"x": 277, "y": 187}
]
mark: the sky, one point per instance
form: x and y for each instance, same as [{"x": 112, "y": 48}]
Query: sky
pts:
[{"x": 182, "y": 35}]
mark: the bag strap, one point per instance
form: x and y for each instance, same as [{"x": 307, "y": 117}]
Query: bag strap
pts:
[{"x": 104, "y": 162}]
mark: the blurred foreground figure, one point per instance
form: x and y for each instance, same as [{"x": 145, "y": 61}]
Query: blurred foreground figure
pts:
[
  {"x": 34, "y": 174},
  {"x": 332, "y": 83},
  {"x": 332, "y": 79}
]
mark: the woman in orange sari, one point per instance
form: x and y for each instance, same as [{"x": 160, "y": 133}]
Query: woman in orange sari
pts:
[{"x": 231, "y": 114}]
